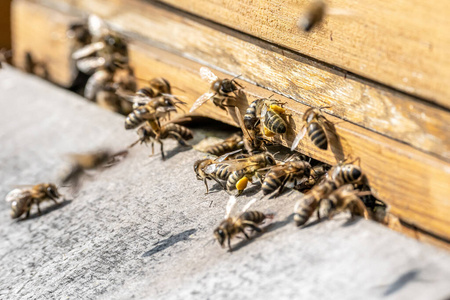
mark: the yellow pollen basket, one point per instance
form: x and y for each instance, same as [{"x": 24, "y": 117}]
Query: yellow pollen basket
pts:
[
  {"x": 242, "y": 184},
  {"x": 267, "y": 132},
  {"x": 276, "y": 108}
]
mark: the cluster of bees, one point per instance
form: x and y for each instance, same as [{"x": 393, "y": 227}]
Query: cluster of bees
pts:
[{"x": 233, "y": 163}]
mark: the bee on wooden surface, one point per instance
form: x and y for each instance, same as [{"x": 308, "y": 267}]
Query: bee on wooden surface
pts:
[
  {"x": 152, "y": 111},
  {"x": 286, "y": 175},
  {"x": 254, "y": 142},
  {"x": 106, "y": 49},
  {"x": 270, "y": 111},
  {"x": 344, "y": 198},
  {"x": 313, "y": 15},
  {"x": 151, "y": 134},
  {"x": 232, "y": 226},
  {"x": 316, "y": 174},
  {"x": 213, "y": 169},
  {"x": 319, "y": 129},
  {"x": 22, "y": 199},
  {"x": 234, "y": 142},
  {"x": 243, "y": 170},
  {"x": 348, "y": 173},
  {"x": 222, "y": 91},
  {"x": 90, "y": 161}
]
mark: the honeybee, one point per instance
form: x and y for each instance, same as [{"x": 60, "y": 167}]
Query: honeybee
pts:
[
  {"x": 232, "y": 226},
  {"x": 22, "y": 199},
  {"x": 270, "y": 111},
  {"x": 234, "y": 142},
  {"x": 313, "y": 15},
  {"x": 345, "y": 197},
  {"x": 316, "y": 174},
  {"x": 254, "y": 142},
  {"x": 213, "y": 169},
  {"x": 319, "y": 129},
  {"x": 243, "y": 170},
  {"x": 222, "y": 91},
  {"x": 151, "y": 112},
  {"x": 149, "y": 133},
  {"x": 348, "y": 173},
  {"x": 90, "y": 161},
  {"x": 106, "y": 49},
  {"x": 287, "y": 174}
]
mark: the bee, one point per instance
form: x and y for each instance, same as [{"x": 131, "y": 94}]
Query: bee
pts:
[
  {"x": 106, "y": 49},
  {"x": 22, "y": 199},
  {"x": 254, "y": 142},
  {"x": 344, "y": 198},
  {"x": 90, "y": 161},
  {"x": 348, "y": 173},
  {"x": 152, "y": 111},
  {"x": 232, "y": 226},
  {"x": 243, "y": 170},
  {"x": 222, "y": 91},
  {"x": 287, "y": 174},
  {"x": 270, "y": 111},
  {"x": 213, "y": 169},
  {"x": 316, "y": 174},
  {"x": 234, "y": 142},
  {"x": 319, "y": 129},
  {"x": 313, "y": 15},
  {"x": 149, "y": 133}
]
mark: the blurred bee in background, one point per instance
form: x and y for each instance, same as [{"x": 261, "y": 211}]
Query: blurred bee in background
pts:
[
  {"x": 234, "y": 142},
  {"x": 106, "y": 49},
  {"x": 214, "y": 169},
  {"x": 4, "y": 56},
  {"x": 287, "y": 174},
  {"x": 90, "y": 161},
  {"x": 149, "y": 133},
  {"x": 319, "y": 129},
  {"x": 222, "y": 91},
  {"x": 232, "y": 226},
  {"x": 344, "y": 198},
  {"x": 270, "y": 111},
  {"x": 22, "y": 199},
  {"x": 316, "y": 174},
  {"x": 243, "y": 170},
  {"x": 313, "y": 15}
]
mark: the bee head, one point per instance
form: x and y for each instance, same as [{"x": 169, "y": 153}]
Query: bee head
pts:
[
  {"x": 216, "y": 86},
  {"x": 270, "y": 160},
  {"x": 52, "y": 191},
  {"x": 220, "y": 235}
]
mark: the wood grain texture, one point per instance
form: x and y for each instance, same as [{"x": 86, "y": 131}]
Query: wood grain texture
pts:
[
  {"x": 414, "y": 184},
  {"x": 5, "y": 24},
  {"x": 395, "y": 115},
  {"x": 403, "y": 44}
]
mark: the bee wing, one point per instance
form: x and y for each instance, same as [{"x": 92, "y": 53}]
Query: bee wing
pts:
[
  {"x": 223, "y": 157},
  {"x": 247, "y": 206},
  {"x": 230, "y": 205},
  {"x": 298, "y": 138},
  {"x": 97, "y": 27},
  {"x": 263, "y": 111},
  {"x": 210, "y": 168},
  {"x": 207, "y": 75},
  {"x": 16, "y": 194},
  {"x": 87, "y": 50},
  {"x": 242, "y": 125},
  {"x": 89, "y": 64},
  {"x": 201, "y": 100}
]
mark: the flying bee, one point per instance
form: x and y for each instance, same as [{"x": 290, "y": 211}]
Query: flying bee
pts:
[
  {"x": 22, "y": 199},
  {"x": 319, "y": 129},
  {"x": 234, "y": 142},
  {"x": 222, "y": 91},
  {"x": 287, "y": 174},
  {"x": 106, "y": 49},
  {"x": 232, "y": 226},
  {"x": 243, "y": 170},
  {"x": 344, "y": 198},
  {"x": 313, "y": 15},
  {"x": 149, "y": 133},
  {"x": 90, "y": 161},
  {"x": 213, "y": 169}
]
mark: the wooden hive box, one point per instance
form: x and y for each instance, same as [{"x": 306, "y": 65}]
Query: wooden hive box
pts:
[{"x": 382, "y": 69}]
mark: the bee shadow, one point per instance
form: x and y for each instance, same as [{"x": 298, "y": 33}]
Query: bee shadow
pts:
[
  {"x": 352, "y": 221},
  {"x": 46, "y": 210},
  {"x": 178, "y": 149},
  {"x": 170, "y": 241},
  {"x": 252, "y": 190}
]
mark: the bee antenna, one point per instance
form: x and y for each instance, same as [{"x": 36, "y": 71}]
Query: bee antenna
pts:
[{"x": 236, "y": 77}]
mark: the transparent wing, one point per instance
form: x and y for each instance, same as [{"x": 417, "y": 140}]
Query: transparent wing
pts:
[
  {"x": 97, "y": 27},
  {"x": 298, "y": 138},
  {"x": 88, "y": 50},
  {"x": 230, "y": 205},
  {"x": 89, "y": 64},
  {"x": 210, "y": 168},
  {"x": 16, "y": 194},
  {"x": 264, "y": 111},
  {"x": 207, "y": 75},
  {"x": 242, "y": 125},
  {"x": 247, "y": 206},
  {"x": 201, "y": 100},
  {"x": 226, "y": 155}
]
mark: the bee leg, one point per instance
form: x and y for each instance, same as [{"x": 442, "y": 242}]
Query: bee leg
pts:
[
  {"x": 206, "y": 184},
  {"x": 38, "y": 208},
  {"x": 162, "y": 150},
  {"x": 252, "y": 225},
  {"x": 241, "y": 229},
  {"x": 229, "y": 243}
]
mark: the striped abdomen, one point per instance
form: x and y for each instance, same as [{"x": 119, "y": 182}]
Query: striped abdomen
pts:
[
  {"x": 185, "y": 133},
  {"x": 234, "y": 178},
  {"x": 253, "y": 216},
  {"x": 274, "y": 122},
  {"x": 317, "y": 135},
  {"x": 272, "y": 181},
  {"x": 303, "y": 209},
  {"x": 136, "y": 117},
  {"x": 251, "y": 115},
  {"x": 349, "y": 174},
  {"x": 222, "y": 172}
]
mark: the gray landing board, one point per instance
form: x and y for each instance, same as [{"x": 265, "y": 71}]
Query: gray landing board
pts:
[{"x": 143, "y": 228}]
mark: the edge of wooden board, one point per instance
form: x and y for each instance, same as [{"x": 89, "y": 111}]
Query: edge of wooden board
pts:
[{"x": 382, "y": 110}]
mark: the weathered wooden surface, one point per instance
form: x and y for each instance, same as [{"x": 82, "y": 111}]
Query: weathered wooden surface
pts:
[
  {"x": 403, "y": 44},
  {"x": 5, "y": 24},
  {"x": 404, "y": 118}
]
